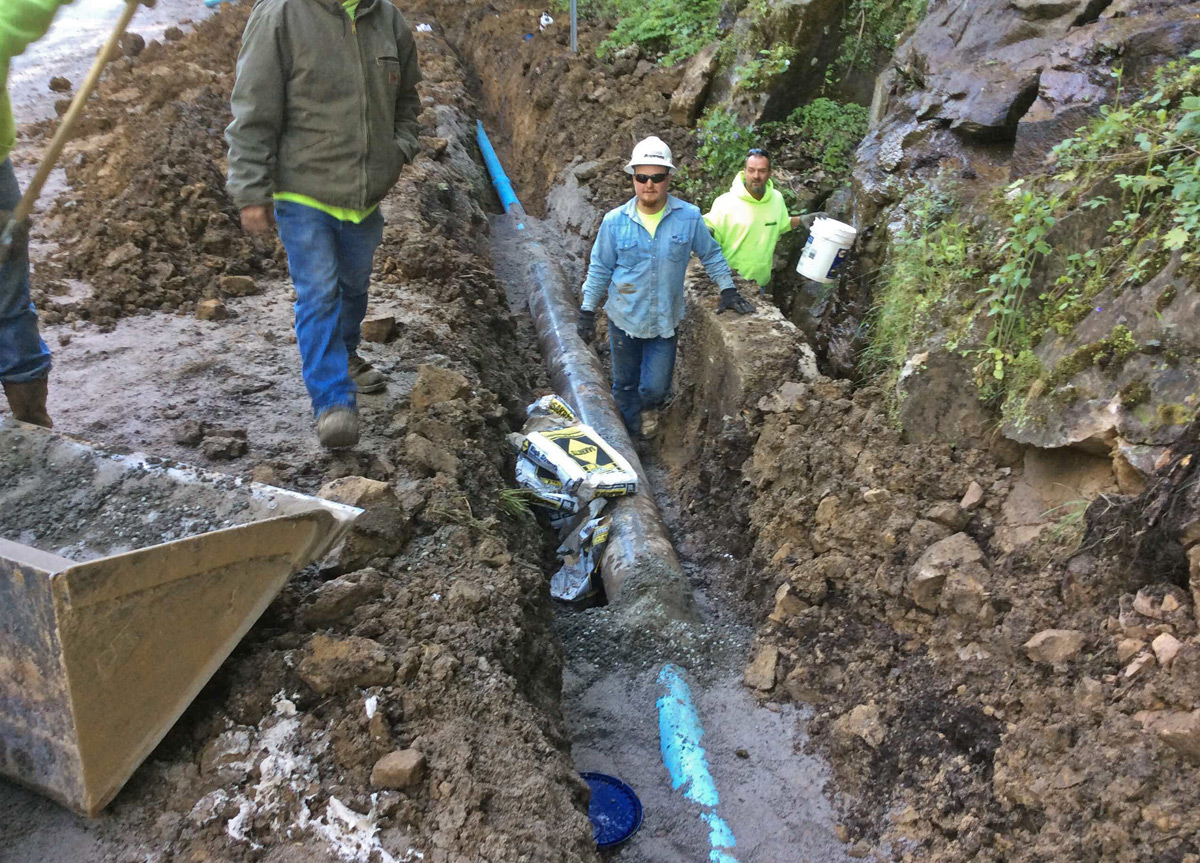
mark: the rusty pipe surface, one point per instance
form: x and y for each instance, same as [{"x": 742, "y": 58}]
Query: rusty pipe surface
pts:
[{"x": 640, "y": 570}]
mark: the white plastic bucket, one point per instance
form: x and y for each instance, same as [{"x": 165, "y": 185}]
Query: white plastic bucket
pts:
[{"x": 829, "y": 242}]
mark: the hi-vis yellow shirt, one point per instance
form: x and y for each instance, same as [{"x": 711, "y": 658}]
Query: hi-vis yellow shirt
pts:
[
  {"x": 21, "y": 23},
  {"x": 747, "y": 229}
]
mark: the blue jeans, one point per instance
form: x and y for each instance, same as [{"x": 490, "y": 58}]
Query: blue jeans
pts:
[
  {"x": 24, "y": 356},
  {"x": 641, "y": 371},
  {"x": 330, "y": 262}
]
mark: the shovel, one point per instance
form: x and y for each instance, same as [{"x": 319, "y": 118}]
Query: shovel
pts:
[{"x": 20, "y": 216}]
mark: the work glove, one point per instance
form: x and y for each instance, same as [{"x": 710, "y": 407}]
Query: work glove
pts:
[
  {"x": 586, "y": 326},
  {"x": 731, "y": 299},
  {"x": 808, "y": 218}
]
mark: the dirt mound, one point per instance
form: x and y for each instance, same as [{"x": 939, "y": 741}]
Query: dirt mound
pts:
[
  {"x": 147, "y": 224},
  {"x": 976, "y": 703}
]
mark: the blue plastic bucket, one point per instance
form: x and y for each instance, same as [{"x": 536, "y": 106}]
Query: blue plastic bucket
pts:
[{"x": 614, "y": 810}]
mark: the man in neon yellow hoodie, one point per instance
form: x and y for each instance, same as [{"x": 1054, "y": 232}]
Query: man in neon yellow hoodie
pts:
[
  {"x": 24, "y": 357},
  {"x": 748, "y": 220}
]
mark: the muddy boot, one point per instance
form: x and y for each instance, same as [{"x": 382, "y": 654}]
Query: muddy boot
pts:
[
  {"x": 28, "y": 402},
  {"x": 366, "y": 377},
  {"x": 337, "y": 427},
  {"x": 649, "y": 424}
]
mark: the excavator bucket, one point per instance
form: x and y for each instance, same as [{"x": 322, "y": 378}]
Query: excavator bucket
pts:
[{"x": 125, "y": 581}]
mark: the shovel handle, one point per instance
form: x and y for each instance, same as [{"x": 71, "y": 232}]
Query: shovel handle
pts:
[{"x": 67, "y": 126}]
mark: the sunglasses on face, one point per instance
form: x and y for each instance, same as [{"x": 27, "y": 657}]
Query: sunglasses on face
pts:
[{"x": 651, "y": 178}]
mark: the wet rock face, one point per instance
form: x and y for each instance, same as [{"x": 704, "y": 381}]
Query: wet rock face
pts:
[{"x": 1017, "y": 73}]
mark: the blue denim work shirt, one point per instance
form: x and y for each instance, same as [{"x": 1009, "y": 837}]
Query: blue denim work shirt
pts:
[{"x": 643, "y": 275}]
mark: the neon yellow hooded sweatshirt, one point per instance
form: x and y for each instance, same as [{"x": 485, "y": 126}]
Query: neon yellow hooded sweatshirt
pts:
[
  {"x": 748, "y": 229},
  {"x": 21, "y": 23}
]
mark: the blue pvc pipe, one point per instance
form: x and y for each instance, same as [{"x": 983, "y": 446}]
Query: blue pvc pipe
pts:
[{"x": 503, "y": 185}]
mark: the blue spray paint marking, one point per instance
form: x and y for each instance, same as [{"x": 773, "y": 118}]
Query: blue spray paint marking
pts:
[{"x": 679, "y": 733}]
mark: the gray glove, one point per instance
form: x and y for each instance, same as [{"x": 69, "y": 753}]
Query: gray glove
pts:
[
  {"x": 586, "y": 326},
  {"x": 808, "y": 218},
  {"x": 731, "y": 299}
]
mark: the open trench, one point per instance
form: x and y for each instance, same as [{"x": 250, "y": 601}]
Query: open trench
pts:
[
  {"x": 801, "y": 517},
  {"x": 443, "y": 642}
]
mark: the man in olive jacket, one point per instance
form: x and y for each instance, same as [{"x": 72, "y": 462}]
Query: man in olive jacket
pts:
[{"x": 324, "y": 117}]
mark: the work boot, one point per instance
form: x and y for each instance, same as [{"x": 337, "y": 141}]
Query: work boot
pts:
[
  {"x": 28, "y": 402},
  {"x": 366, "y": 377},
  {"x": 649, "y": 424},
  {"x": 337, "y": 427}
]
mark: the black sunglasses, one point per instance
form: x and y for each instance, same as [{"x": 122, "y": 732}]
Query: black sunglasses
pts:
[{"x": 652, "y": 178}]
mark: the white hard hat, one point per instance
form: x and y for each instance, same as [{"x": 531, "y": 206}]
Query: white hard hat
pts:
[{"x": 650, "y": 151}]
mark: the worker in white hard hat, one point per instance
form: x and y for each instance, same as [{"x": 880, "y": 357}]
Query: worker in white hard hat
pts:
[{"x": 638, "y": 261}]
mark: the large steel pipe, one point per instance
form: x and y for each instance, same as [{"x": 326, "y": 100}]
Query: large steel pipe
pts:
[{"x": 640, "y": 570}]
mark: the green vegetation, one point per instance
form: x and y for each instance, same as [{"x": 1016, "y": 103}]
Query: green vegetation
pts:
[
  {"x": 721, "y": 154},
  {"x": 1146, "y": 157},
  {"x": 872, "y": 27},
  {"x": 756, "y": 73},
  {"x": 830, "y": 131},
  {"x": 931, "y": 254},
  {"x": 675, "y": 29}
]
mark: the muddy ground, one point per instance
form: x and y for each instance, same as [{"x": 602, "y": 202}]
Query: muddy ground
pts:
[{"x": 922, "y": 617}]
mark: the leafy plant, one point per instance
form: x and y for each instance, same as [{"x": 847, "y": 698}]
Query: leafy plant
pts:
[
  {"x": 723, "y": 144},
  {"x": 871, "y": 27},
  {"x": 676, "y": 29},
  {"x": 831, "y": 131},
  {"x": 756, "y": 73}
]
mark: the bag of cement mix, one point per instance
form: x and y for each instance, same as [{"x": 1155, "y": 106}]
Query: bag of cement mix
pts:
[
  {"x": 571, "y": 527},
  {"x": 586, "y": 464},
  {"x": 552, "y": 405},
  {"x": 545, "y": 488},
  {"x": 575, "y": 581}
]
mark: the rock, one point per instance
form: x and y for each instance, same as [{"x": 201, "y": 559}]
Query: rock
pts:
[
  {"x": 1128, "y": 648},
  {"x": 760, "y": 673},
  {"x": 59, "y": 84},
  {"x": 425, "y": 453},
  {"x": 223, "y": 448},
  {"x": 827, "y": 511},
  {"x": 335, "y": 664},
  {"x": 1178, "y": 729},
  {"x": 381, "y": 531},
  {"x": 238, "y": 286},
  {"x": 789, "y": 397},
  {"x": 689, "y": 97},
  {"x": 1147, "y": 605},
  {"x": 964, "y": 595},
  {"x": 132, "y": 44},
  {"x": 403, "y": 768},
  {"x": 876, "y": 495},
  {"x": 211, "y": 310},
  {"x": 493, "y": 552},
  {"x": 1054, "y": 645},
  {"x": 956, "y": 553},
  {"x": 973, "y": 498},
  {"x": 228, "y": 751},
  {"x": 435, "y": 384},
  {"x": 123, "y": 254},
  {"x": 864, "y": 722},
  {"x": 465, "y": 596},
  {"x": 266, "y": 474},
  {"x": 940, "y": 401},
  {"x": 189, "y": 433},
  {"x": 338, "y": 598},
  {"x": 949, "y": 514},
  {"x": 357, "y": 491},
  {"x": 787, "y": 603},
  {"x": 379, "y": 329},
  {"x": 1090, "y": 694},
  {"x": 1144, "y": 662},
  {"x": 172, "y": 34},
  {"x": 1166, "y": 647}
]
